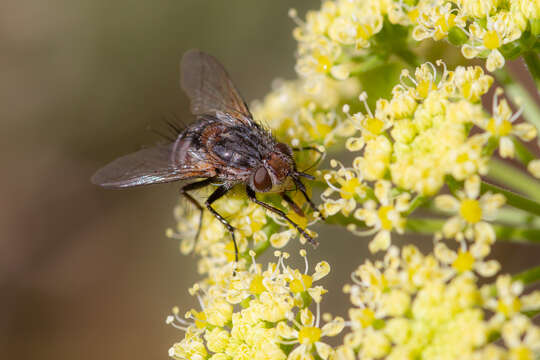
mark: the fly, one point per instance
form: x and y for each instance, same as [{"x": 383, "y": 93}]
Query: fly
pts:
[{"x": 223, "y": 146}]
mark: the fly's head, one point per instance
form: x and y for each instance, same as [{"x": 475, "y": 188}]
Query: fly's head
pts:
[{"x": 275, "y": 170}]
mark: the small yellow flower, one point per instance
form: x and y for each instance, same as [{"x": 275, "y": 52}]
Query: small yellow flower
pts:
[
  {"x": 501, "y": 28},
  {"x": 307, "y": 334},
  {"x": 383, "y": 217},
  {"x": 472, "y": 209},
  {"x": 502, "y": 126}
]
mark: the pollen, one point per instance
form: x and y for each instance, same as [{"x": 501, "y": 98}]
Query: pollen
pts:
[
  {"x": 502, "y": 128},
  {"x": 413, "y": 15},
  {"x": 424, "y": 87},
  {"x": 298, "y": 286},
  {"x": 509, "y": 308},
  {"x": 491, "y": 40},
  {"x": 471, "y": 211},
  {"x": 348, "y": 188},
  {"x": 386, "y": 223},
  {"x": 521, "y": 353},
  {"x": 443, "y": 25},
  {"x": 323, "y": 63},
  {"x": 364, "y": 31},
  {"x": 319, "y": 130},
  {"x": 309, "y": 335},
  {"x": 256, "y": 287},
  {"x": 200, "y": 319},
  {"x": 366, "y": 317},
  {"x": 464, "y": 262},
  {"x": 374, "y": 125}
]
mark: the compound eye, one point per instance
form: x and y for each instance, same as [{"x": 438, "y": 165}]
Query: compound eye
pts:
[
  {"x": 262, "y": 180},
  {"x": 284, "y": 148}
]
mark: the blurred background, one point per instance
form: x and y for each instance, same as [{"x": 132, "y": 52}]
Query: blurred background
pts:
[{"x": 87, "y": 273}]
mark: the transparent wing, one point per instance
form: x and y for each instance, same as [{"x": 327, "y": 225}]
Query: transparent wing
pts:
[
  {"x": 144, "y": 167},
  {"x": 209, "y": 87}
]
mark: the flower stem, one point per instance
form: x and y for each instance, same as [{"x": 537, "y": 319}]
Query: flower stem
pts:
[
  {"x": 503, "y": 233},
  {"x": 533, "y": 64},
  {"x": 529, "y": 276},
  {"x": 512, "y": 177},
  {"x": 513, "y": 199}
]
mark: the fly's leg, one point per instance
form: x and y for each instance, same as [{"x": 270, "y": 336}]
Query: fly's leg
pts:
[
  {"x": 302, "y": 189},
  {"x": 218, "y": 193},
  {"x": 251, "y": 195},
  {"x": 305, "y": 148},
  {"x": 311, "y": 148},
  {"x": 292, "y": 204},
  {"x": 184, "y": 192}
]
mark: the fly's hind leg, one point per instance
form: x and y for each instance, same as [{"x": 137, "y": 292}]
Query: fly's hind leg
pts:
[
  {"x": 184, "y": 192},
  {"x": 218, "y": 193}
]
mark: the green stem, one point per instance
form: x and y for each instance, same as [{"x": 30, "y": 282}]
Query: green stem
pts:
[
  {"x": 523, "y": 154},
  {"x": 513, "y": 199},
  {"x": 512, "y": 177},
  {"x": 367, "y": 64},
  {"x": 503, "y": 233},
  {"x": 407, "y": 56},
  {"x": 533, "y": 64},
  {"x": 529, "y": 276},
  {"x": 516, "y": 217},
  {"x": 520, "y": 96},
  {"x": 417, "y": 202}
]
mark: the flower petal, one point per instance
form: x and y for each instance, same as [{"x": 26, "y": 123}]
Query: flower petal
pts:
[
  {"x": 321, "y": 270},
  {"x": 381, "y": 241},
  {"x": 447, "y": 203},
  {"x": 472, "y": 187},
  {"x": 324, "y": 350}
]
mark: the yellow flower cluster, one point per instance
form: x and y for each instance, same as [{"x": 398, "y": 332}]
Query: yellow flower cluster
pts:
[
  {"x": 334, "y": 39},
  {"x": 411, "y": 305},
  {"x": 412, "y": 143},
  {"x": 300, "y": 115},
  {"x": 257, "y": 314},
  {"x": 421, "y": 134}
]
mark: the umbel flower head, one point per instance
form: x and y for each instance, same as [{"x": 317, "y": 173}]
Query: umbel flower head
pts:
[
  {"x": 252, "y": 314},
  {"x": 412, "y": 305},
  {"x": 334, "y": 40}
]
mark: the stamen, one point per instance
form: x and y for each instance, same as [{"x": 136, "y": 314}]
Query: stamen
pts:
[
  {"x": 352, "y": 228},
  {"x": 363, "y": 99},
  {"x": 293, "y": 14},
  {"x": 516, "y": 115},
  {"x": 304, "y": 255},
  {"x": 318, "y": 318}
]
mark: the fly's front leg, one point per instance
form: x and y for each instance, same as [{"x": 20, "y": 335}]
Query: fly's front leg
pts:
[
  {"x": 292, "y": 204},
  {"x": 311, "y": 148},
  {"x": 304, "y": 148},
  {"x": 251, "y": 195},
  {"x": 184, "y": 192},
  {"x": 302, "y": 189},
  {"x": 218, "y": 193}
]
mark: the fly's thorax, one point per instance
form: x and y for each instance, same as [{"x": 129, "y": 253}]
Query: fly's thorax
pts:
[{"x": 280, "y": 166}]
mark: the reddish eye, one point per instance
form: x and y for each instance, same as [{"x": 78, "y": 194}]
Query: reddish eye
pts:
[{"x": 262, "y": 180}]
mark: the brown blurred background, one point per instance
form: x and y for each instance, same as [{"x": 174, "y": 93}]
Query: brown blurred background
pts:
[{"x": 87, "y": 273}]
